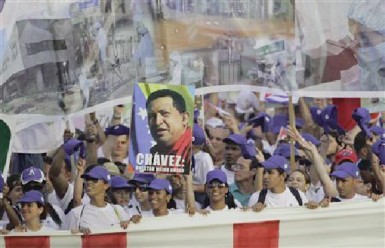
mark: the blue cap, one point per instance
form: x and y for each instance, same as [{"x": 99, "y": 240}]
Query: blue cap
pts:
[
  {"x": 329, "y": 115},
  {"x": 119, "y": 182},
  {"x": 345, "y": 170},
  {"x": 279, "y": 121},
  {"x": 32, "y": 174},
  {"x": 118, "y": 130},
  {"x": 98, "y": 172},
  {"x": 32, "y": 196},
  {"x": 141, "y": 178},
  {"x": 377, "y": 130},
  {"x": 284, "y": 150},
  {"x": 199, "y": 137},
  {"x": 216, "y": 174},
  {"x": 362, "y": 118},
  {"x": 276, "y": 162},
  {"x": 299, "y": 123},
  {"x": 316, "y": 114},
  {"x": 248, "y": 149},
  {"x": 159, "y": 184},
  {"x": 378, "y": 148},
  {"x": 310, "y": 138},
  {"x": 262, "y": 120},
  {"x": 236, "y": 138}
]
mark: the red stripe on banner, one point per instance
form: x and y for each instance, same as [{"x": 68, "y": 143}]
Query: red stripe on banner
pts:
[
  {"x": 116, "y": 240},
  {"x": 27, "y": 241},
  {"x": 262, "y": 234}
]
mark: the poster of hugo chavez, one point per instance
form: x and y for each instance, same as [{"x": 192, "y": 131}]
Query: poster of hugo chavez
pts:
[{"x": 161, "y": 128}]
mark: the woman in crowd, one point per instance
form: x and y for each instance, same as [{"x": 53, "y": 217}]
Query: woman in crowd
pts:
[
  {"x": 218, "y": 196},
  {"x": 160, "y": 194},
  {"x": 299, "y": 179},
  {"x": 140, "y": 205},
  {"x": 98, "y": 214},
  {"x": 33, "y": 212}
]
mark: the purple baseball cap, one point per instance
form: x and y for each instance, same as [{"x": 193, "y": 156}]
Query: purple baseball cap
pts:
[
  {"x": 277, "y": 162},
  {"x": 299, "y": 123},
  {"x": 199, "y": 137},
  {"x": 118, "y": 130},
  {"x": 378, "y": 148},
  {"x": 98, "y": 172},
  {"x": 32, "y": 174},
  {"x": 236, "y": 138},
  {"x": 377, "y": 130},
  {"x": 119, "y": 182},
  {"x": 310, "y": 138},
  {"x": 362, "y": 118},
  {"x": 142, "y": 178},
  {"x": 277, "y": 122},
  {"x": 216, "y": 174},
  {"x": 248, "y": 149},
  {"x": 284, "y": 150},
  {"x": 159, "y": 184},
  {"x": 329, "y": 115},
  {"x": 345, "y": 170},
  {"x": 32, "y": 196},
  {"x": 262, "y": 120},
  {"x": 316, "y": 114}
]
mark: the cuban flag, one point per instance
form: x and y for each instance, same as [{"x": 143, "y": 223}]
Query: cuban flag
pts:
[
  {"x": 282, "y": 99},
  {"x": 140, "y": 138}
]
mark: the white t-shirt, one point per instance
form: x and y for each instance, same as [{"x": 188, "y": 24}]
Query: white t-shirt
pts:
[
  {"x": 50, "y": 223},
  {"x": 229, "y": 174},
  {"x": 226, "y": 208},
  {"x": 43, "y": 229},
  {"x": 284, "y": 199},
  {"x": 170, "y": 213},
  {"x": 90, "y": 216},
  {"x": 356, "y": 197},
  {"x": 180, "y": 204},
  {"x": 203, "y": 164},
  {"x": 315, "y": 193},
  {"x": 62, "y": 203}
]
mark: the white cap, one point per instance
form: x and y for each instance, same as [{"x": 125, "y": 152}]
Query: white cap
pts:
[
  {"x": 214, "y": 122},
  {"x": 247, "y": 101},
  {"x": 370, "y": 13}
]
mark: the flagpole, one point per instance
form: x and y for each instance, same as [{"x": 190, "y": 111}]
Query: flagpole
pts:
[{"x": 292, "y": 125}]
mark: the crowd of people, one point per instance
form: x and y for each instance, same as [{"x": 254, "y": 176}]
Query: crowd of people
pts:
[{"x": 239, "y": 160}]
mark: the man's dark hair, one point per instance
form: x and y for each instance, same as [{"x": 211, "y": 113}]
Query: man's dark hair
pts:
[
  {"x": 47, "y": 160},
  {"x": 177, "y": 99},
  {"x": 359, "y": 141},
  {"x": 102, "y": 160}
]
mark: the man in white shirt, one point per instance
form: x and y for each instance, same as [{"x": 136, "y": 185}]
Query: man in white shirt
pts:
[
  {"x": 98, "y": 214},
  {"x": 347, "y": 176},
  {"x": 275, "y": 192},
  {"x": 232, "y": 152}
]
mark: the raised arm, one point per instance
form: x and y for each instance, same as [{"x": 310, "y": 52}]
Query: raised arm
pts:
[
  {"x": 317, "y": 161},
  {"x": 190, "y": 198},
  {"x": 78, "y": 184},
  {"x": 59, "y": 182}
]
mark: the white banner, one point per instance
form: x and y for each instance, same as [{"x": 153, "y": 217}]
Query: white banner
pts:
[{"x": 358, "y": 224}]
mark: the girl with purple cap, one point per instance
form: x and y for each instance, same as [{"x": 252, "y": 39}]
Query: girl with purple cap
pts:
[
  {"x": 33, "y": 212},
  {"x": 140, "y": 204},
  {"x": 98, "y": 213},
  {"x": 160, "y": 195},
  {"x": 218, "y": 196}
]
